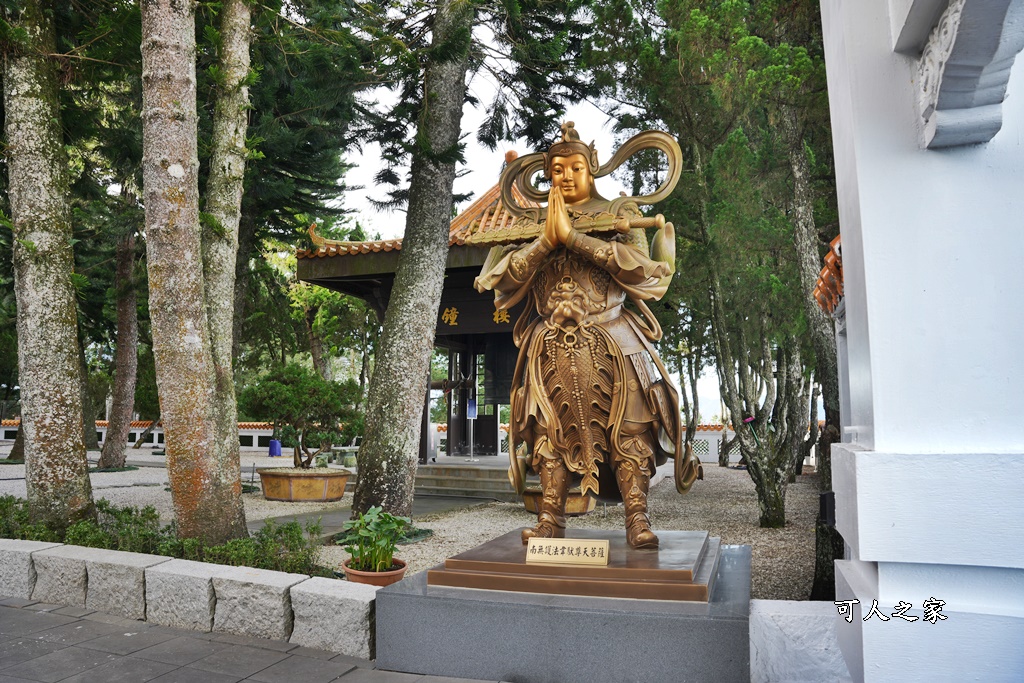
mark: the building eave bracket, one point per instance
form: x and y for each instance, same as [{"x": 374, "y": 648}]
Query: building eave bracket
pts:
[{"x": 964, "y": 64}]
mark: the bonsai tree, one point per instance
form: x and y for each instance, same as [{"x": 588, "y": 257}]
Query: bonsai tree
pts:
[
  {"x": 371, "y": 539},
  {"x": 319, "y": 413}
]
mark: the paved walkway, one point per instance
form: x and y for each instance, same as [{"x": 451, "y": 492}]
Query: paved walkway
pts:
[{"x": 42, "y": 643}]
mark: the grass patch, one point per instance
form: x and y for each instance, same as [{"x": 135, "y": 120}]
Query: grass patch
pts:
[
  {"x": 12, "y": 462},
  {"x": 126, "y": 468}
]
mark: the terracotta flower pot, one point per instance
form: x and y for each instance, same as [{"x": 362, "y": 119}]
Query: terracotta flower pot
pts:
[
  {"x": 299, "y": 485},
  {"x": 375, "y": 578}
]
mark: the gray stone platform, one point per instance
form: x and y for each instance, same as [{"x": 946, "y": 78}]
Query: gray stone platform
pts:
[{"x": 462, "y": 632}]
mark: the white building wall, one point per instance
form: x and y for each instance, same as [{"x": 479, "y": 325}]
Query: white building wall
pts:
[
  {"x": 932, "y": 242},
  {"x": 927, "y": 481}
]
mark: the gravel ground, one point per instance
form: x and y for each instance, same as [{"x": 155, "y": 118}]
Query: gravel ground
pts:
[
  {"x": 724, "y": 504},
  {"x": 145, "y": 486}
]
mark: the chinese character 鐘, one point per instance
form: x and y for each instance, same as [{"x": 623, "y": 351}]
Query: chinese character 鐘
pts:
[{"x": 450, "y": 316}]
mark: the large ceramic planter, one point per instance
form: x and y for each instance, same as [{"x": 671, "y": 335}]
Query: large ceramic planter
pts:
[
  {"x": 375, "y": 578},
  {"x": 576, "y": 504},
  {"x": 320, "y": 485}
]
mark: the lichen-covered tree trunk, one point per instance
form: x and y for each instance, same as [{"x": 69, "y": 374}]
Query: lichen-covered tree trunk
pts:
[
  {"x": 205, "y": 484},
  {"x": 828, "y": 541},
  {"x": 56, "y": 470},
  {"x": 390, "y": 447},
  {"x": 805, "y": 236},
  {"x": 220, "y": 235},
  {"x": 126, "y": 356}
]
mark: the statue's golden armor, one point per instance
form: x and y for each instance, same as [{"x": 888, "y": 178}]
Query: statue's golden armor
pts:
[{"x": 591, "y": 400}]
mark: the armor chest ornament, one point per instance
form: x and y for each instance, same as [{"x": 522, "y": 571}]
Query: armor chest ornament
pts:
[{"x": 569, "y": 290}]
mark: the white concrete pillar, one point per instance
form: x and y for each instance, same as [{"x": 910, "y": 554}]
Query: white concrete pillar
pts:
[{"x": 928, "y": 478}]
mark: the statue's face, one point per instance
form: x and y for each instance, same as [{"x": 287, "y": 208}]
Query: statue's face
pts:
[{"x": 572, "y": 175}]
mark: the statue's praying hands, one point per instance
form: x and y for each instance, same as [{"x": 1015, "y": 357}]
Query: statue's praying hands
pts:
[{"x": 557, "y": 225}]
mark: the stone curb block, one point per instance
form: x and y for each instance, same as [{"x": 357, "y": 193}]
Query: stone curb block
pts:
[
  {"x": 117, "y": 582},
  {"x": 334, "y": 615},
  {"x": 17, "y": 570},
  {"x": 61, "y": 576},
  {"x": 254, "y": 602},
  {"x": 179, "y": 594},
  {"x": 794, "y": 641}
]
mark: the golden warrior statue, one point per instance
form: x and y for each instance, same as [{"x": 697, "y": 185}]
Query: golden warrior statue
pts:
[{"x": 591, "y": 400}]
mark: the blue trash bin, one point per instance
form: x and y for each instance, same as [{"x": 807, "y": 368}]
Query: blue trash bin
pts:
[{"x": 275, "y": 448}]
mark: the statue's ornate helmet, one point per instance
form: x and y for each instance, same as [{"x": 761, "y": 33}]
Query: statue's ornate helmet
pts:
[{"x": 571, "y": 144}]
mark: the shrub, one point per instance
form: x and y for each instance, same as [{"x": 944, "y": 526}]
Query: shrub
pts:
[
  {"x": 16, "y": 523},
  {"x": 281, "y": 547},
  {"x": 314, "y": 413}
]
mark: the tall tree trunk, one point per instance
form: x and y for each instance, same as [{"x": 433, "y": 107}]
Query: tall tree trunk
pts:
[
  {"x": 56, "y": 470},
  {"x": 394, "y": 415},
  {"x": 89, "y": 408},
  {"x": 18, "y": 449},
  {"x": 725, "y": 448},
  {"x": 243, "y": 279},
  {"x": 321, "y": 362},
  {"x": 220, "y": 238},
  {"x": 153, "y": 424},
  {"x": 828, "y": 542},
  {"x": 805, "y": 236},
  {"x": 126, "y": 357},
  {"x": 205, "y": 483}
]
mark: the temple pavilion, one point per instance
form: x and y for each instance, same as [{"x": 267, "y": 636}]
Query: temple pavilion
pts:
[{"x": 476, "y": 338}]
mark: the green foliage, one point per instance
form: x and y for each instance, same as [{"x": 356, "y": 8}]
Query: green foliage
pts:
[
  {"x": 371, "y": 539},
  {"x": 15, "y": 522},
  {"x": 128, "y": 528},
  {"x": 530, "y": 49},
  {"x": 321, "y": 413},
  {"x": 280, "y": 547}
]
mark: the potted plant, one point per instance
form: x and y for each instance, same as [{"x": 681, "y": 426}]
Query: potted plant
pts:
[
  {"x": 316, "y": 414},
  {"x": 371, "y": 538}
]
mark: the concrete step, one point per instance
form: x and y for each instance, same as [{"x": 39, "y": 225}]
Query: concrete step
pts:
[
  {"x": 508, "y": 495},
  {"x": 463, "y": 482},
  {"x": 463, "y": 472}
]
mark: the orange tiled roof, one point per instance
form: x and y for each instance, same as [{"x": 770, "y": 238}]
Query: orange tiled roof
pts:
[
  {"x": 136, "y": 424},
  {"x": 256, "y": 425},
  {"x": 829, "y": 289},
  {"x": 485, "y": 222}
]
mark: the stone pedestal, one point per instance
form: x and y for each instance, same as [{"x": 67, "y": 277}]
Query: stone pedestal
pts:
[
  {"x": 542, "y": 638},
  {"x": 683, "y": 568}
]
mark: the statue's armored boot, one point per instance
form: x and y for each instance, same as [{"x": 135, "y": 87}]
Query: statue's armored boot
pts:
[
  {"x": 634, "y": 481},
  {"x": 554, "y": 484}
]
